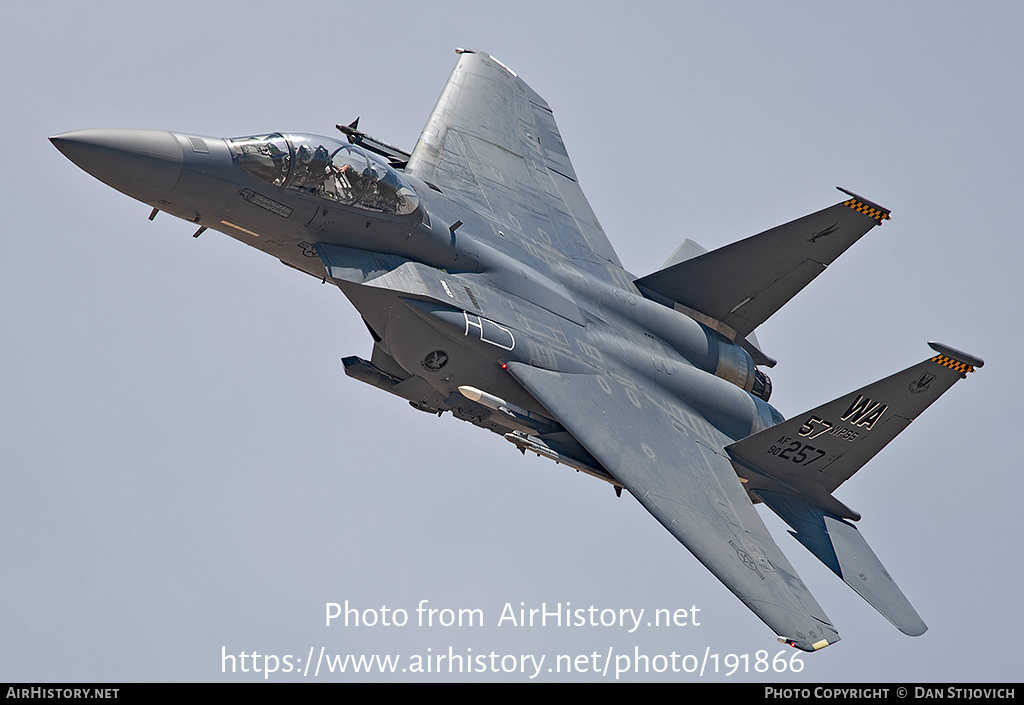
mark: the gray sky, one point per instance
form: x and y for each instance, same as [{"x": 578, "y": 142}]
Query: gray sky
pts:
[{"x": 186, "y": 467}]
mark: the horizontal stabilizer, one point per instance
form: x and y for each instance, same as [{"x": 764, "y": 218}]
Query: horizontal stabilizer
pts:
[
  {"x": 687, "y": 250},
  {"x": 839, "y": 545},
  {"x": 812, "y": 454},
  {"x": 737, "y": 287}
]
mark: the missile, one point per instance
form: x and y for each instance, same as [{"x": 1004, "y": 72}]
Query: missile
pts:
[{"x": 523, "y": 416}]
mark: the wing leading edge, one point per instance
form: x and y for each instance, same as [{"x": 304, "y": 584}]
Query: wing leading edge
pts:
[
  {"x": 492, "y": 143},
  {"x": 639, "y": 434}
]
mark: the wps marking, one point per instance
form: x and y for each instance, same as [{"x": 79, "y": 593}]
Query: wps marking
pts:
[
  {"x": 864, "y": 412},
  {"x": 814, "y": 427}
]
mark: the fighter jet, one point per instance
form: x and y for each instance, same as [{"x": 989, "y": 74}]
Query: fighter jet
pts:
[{"x": 491, "y": 291}]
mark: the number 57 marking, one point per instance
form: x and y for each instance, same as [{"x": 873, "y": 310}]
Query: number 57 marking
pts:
[{"x": 811, "y": 427}]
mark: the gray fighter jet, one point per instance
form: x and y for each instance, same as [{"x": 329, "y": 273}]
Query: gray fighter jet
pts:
[{"x": 491, "y": 291}]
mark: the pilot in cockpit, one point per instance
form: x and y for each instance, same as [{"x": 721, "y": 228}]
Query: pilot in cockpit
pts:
[{"x": 312, "y": 167}]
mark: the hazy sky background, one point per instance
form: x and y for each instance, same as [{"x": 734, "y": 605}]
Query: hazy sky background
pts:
[{"x": 186, "y": 467}]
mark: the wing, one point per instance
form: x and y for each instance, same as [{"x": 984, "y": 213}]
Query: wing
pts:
[
  {"x": 492, "y": 144},
  {"x": 654, "y": 447}
]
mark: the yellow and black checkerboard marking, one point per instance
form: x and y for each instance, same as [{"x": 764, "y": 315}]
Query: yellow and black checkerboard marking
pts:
[
  {"x": 861, "y": 207},
  {"x": 961, "y": 367}
]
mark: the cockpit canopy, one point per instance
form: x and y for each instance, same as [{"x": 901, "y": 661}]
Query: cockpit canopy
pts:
[{"x": 331, "y": 169}]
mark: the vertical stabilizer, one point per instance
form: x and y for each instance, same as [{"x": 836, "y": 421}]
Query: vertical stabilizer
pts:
[{"x": 795, "y": 466}]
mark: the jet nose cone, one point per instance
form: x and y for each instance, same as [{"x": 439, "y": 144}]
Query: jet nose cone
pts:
[{"x": 144, "y": 164}]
